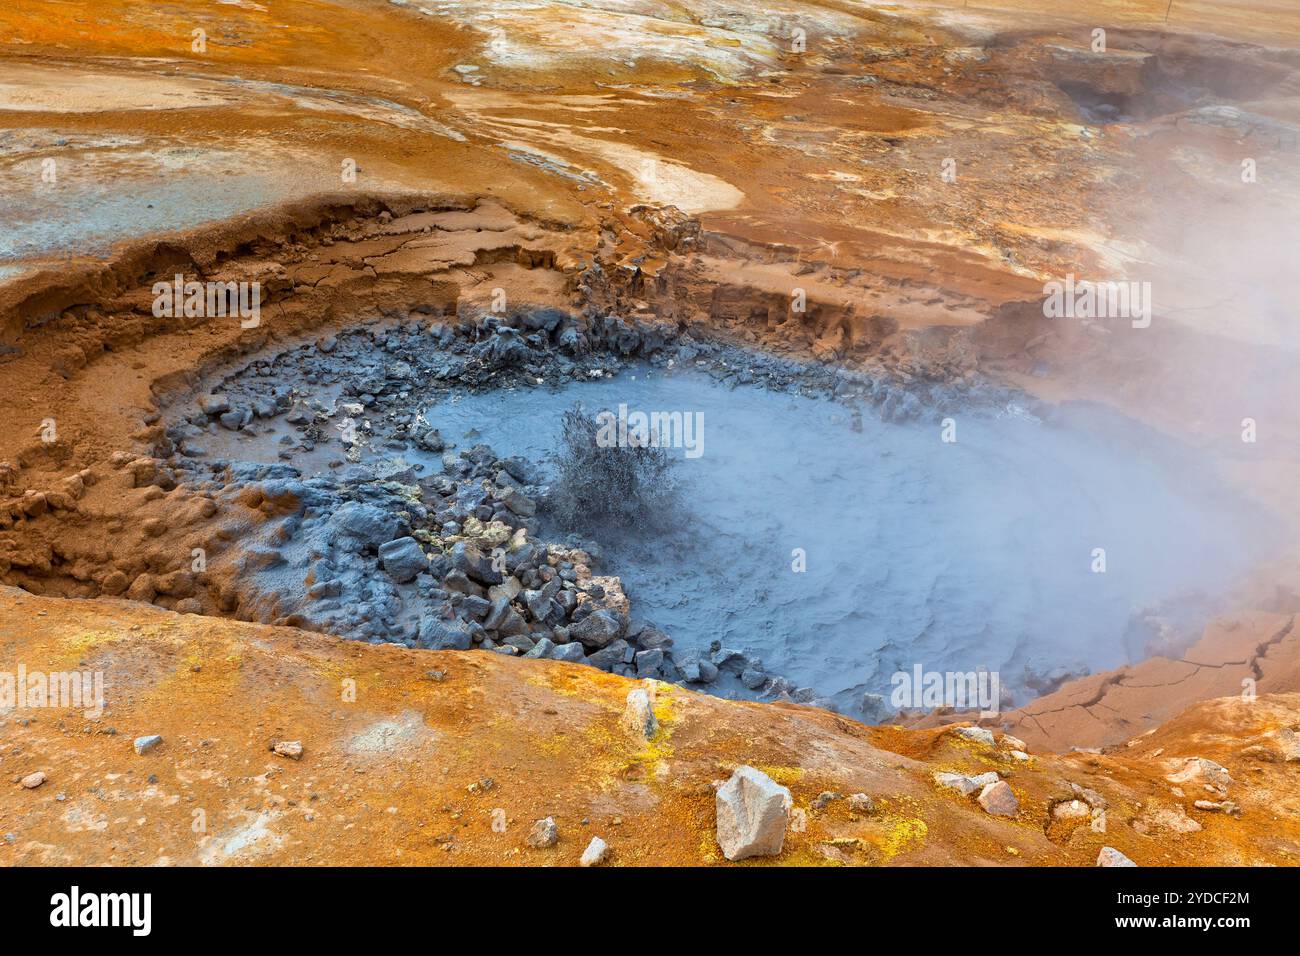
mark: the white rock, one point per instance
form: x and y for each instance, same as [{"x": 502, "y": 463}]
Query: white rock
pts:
[
  {"x": 753, "y": 811},
  {"x": 956, "y": 781},
  {"x": 595, "y": 853},
  {"x": 981, "y": 735},
  {"x": 1196, "y": 769},
  {"x": 1290, "y": 742},
  {"x": 639, "y": 715},
  {"x": 145, "y": 744},
  {"x": 1109, "y": 856},
  {"x": 34, "y": 780},
  {"x": 1072, "y": 810},
  {"x": 289, "y": 748},
  {"x": 1014, "y": 743}
]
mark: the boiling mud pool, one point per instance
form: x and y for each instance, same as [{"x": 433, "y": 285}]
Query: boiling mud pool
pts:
[{"x": 953, "y": 555}]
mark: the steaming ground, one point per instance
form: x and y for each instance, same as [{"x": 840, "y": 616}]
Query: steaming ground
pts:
[{"x": 955, "y": 556}]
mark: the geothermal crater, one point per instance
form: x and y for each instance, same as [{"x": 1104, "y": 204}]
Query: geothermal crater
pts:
[{"x": 830, "y": 528}]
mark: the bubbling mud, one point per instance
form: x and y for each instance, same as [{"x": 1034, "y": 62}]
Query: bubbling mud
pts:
[{"x": 832, "y": 545}]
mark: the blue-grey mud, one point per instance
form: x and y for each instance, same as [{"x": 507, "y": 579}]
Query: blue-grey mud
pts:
[{"x": 830, "y": 531}]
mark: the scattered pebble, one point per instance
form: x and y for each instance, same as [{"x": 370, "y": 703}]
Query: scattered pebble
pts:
[
  {"x": 543, "y": 834},
  {"x": 288, "y": 748},
  {"x": 1109, "y": 856}
]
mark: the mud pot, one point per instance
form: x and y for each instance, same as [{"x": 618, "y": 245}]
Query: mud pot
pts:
[{"x": 828, "y": 529}]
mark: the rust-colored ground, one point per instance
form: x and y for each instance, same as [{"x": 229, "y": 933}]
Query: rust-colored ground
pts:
[
  {"x": 407, "y": 754},
  {"x": 676, "y": 161}
]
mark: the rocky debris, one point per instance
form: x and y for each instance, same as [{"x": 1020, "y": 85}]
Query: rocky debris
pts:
[
  {"x": 695, "y": 670},
  {"x": 443, "y": 558},
  {"x": 33, "y": 780},
  {"x": 147, "y": 743},
  {"x": 1109, "y": 856},
  {"x": 544, "y": 834},
  {"x": 980, "y": 735},
  {"x": 823, "y": 799},
  {"x": 1211, "y": 806},
  {"x": 861, "y": 803},
  {"x": 963, "y": 784},
  {"x": 639, "y": 715},
  {"x": 599, "y": 628},
  {"x": 365, "y": 525},
  {"x": 875, "y": 708},
  {"x": 213, "y": 404},
  {"x": 753, "y": 811},
  {"x": 403, "y": 559},
  {"x": 288, "y": 748},
  {"x": 999, "y": 800},
  {"x": 1199, "y": 770},
  {"x": 596, "y": 852},
  {"x": 1173, "y": 819},
  {"x": 1071, "y": 810}
]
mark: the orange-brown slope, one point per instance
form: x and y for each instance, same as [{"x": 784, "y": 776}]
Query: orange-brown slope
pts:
[{"x": 409, "y": 757}]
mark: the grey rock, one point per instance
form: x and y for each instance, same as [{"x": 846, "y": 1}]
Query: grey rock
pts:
[
  {"x": 214, "y": 404},
  {"x": 403, "y": 559},
  {"x": 649, "y": 663},
  {"x": 542, "y": 649},
  {"x": 519, "y": 503},
  {"x": 442, "y": 635},
  {"x": 520, "y": 642},
  {"x": 599, "y": 628},
  {"x": 573, "y": 653},
  {"x": 693, "y": 670},
  {"x": 610, "y": 655},
  {"x": 728, "y": 658},
  {"x": 504, "y": 619},
  {"x": 476, "y": 565},
  {"x": 365, "y": 524}
]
